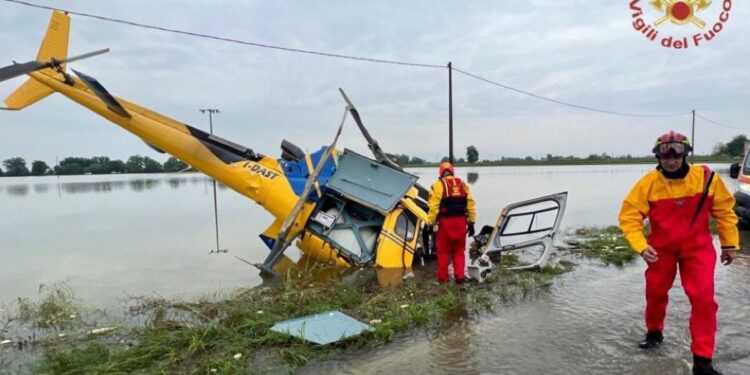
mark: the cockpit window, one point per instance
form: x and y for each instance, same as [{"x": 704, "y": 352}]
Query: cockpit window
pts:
[{"x": 405, "y": 226}]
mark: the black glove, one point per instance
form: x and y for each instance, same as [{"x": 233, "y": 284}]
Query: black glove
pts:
[{"x": 470, "y": 230}]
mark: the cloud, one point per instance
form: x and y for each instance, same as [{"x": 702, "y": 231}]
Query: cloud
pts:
[{"x": 577, "y": 51}]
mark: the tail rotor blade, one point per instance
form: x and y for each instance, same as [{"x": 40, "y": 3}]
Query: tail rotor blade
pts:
[
  {"x": 17, "y": 70},
  {"x": 84, "y": 56}
]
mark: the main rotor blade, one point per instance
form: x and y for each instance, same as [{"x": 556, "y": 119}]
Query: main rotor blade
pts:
[
  {"x": 379, "y": 154},
  {"x": 371, "y": 142},
  {"x": 282, "y": 242},
  {"x": 15, "y": 70}
]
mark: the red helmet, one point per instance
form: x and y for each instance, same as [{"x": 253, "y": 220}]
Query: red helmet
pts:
[
  {"x": 672, "y": 143},
  {"x": 446, "y": 167}
]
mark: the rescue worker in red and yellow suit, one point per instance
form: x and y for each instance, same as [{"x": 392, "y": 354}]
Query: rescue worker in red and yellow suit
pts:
[
  {"x": 678, "y": 198},
  {"x": 452, "y": 207}
]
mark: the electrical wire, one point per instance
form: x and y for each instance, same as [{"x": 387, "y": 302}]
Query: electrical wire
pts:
[
  {"x": 369, "y": 59},
  {"x": 718, "y": 123},
  {"x": 577, "y": 106},
  {"x": 229, "y": 40}
]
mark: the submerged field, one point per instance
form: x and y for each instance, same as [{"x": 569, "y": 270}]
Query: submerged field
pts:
[
  {"x": 87, "y": 231},
  {"x": 231, "y": 334}
]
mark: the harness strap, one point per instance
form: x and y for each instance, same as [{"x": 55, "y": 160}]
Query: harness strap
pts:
[{"x": 705, "y": 192}]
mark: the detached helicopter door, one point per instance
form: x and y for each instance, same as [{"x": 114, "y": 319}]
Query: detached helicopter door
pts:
[{"x": 526, "y": 229}]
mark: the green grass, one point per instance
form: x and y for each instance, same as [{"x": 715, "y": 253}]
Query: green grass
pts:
[
  {"x": 56, "y": 307},
  {"x": 605, "y": 243},
  {"x": 204, "y": 337}
]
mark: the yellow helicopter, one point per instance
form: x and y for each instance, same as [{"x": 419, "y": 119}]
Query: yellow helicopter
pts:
[{"x": 342, "y": 207}]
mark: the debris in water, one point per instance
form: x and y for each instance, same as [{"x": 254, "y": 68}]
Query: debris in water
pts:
[
  {"x": 238, "y": 356},
  {"x": 100, "y": 331},
  {"x": 376, "y": 321},
  {"x": 404, "y": 306},
  {"x": 323, "y": 328},
  {"x": 4, "y": 342}
]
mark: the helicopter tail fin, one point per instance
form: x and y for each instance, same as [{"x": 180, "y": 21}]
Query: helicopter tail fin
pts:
[{"x": 54, "y": 46}]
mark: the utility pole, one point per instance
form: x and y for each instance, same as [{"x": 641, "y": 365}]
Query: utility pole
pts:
[
  {"x": 211, "y": 112},
  {"x": 450, "y": 113},
  {"x": 692, "y": 138}
]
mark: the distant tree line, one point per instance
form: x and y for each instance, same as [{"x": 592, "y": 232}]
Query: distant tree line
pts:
[
  {"x": 735, "y": 148},
  {"x": 96, "y": 165}
]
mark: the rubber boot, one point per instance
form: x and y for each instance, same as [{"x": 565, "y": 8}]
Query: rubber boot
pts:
[
  {"x": 703, "y": 366},
  {"x": 652, "y": 340}
]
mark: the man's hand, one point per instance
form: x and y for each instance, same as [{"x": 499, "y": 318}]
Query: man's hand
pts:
[
  {"x": 649, "y": 255},
  {"x": 470, "y": 229},
  {"x": 727, "y": 256}
]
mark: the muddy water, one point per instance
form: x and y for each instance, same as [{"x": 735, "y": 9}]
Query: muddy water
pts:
[
  {"x": 587, "y": 323},
  {"x": 114, "y": 236}
]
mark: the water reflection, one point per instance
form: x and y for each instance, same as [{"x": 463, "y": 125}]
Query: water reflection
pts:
[
  {"x": 84, "y": 187},
  {"x": 141, "y": 185},
  {"x": 175, "y": 183},
  {"x": 316, "y": 271},
  {"x": 41, "y": 188},
  {"x": 451, "y": 351},
  {"x": 91, "y": 187},
  {"x": 17, "y": 190}
]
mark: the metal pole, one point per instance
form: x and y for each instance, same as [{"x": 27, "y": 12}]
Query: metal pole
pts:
[
  {"x": 692, "y": 138},
  {"x": 211, "y": 111},
  {"x": 450, "y": 113}
]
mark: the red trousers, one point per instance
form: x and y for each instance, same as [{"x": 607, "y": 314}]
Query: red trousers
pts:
[
  {"x": 450, "y": 241},
  {"x": 696, "y": 266}
]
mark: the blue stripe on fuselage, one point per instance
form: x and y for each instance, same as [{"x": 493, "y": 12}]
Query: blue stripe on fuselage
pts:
[{"x": 297, "y": 173}]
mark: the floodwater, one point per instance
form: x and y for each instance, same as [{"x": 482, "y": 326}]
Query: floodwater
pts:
[{"x": 110, "y": 237}]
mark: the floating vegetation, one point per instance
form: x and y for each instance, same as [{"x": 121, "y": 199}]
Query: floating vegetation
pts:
[
  {"x": 57, "y": 307},
  {"x": 605, "y": 243}
]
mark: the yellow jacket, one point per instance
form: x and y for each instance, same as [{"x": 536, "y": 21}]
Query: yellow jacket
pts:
[
  {"x": 436, "y": 195},
  {"x": 671, "y": 207}
]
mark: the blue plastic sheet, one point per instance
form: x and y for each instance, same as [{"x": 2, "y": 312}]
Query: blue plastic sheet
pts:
[{"x": 323, "y": 328}]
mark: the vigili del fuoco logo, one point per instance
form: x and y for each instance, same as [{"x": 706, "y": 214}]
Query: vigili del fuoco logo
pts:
[{"x": 697, "y": 21}]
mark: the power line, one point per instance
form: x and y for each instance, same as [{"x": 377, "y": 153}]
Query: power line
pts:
[
  {"x": 718, "y": 123},
  {"x": 365, "y": 59},
  {"x": 578, "y": 106},
  {"x": 230, "y": 40}
]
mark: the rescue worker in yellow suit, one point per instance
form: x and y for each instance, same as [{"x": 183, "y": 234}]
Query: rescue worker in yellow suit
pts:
[
  {"x": 452, "y": 207},
  {"x": 678, "y": 199}
]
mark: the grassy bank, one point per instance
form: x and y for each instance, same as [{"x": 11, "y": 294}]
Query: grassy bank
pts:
[{"x": 232, "y": 335}]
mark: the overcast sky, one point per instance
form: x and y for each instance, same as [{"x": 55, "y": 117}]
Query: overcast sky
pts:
[{"x": 585, "y": 52}]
